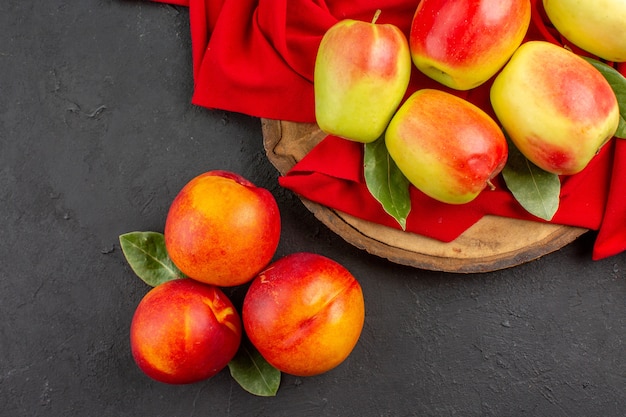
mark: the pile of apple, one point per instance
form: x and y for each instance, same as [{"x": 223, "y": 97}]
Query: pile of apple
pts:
[
  {"x": 556, "y": 107},
  {"x": 303, "y": 312}
]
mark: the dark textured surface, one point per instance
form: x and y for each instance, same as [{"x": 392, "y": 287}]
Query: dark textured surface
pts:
[{"x": 97, "y": 135}]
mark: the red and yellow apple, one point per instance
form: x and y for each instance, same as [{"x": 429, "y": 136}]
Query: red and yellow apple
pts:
[
  {"x": 304, "y": 314},
  {"x": 598, "y": 26},
  {"x": 463, "y": 43},
  {"x": 184, "y": 331},
  {"x": 556, "y": 107},
  {"x": 447, "y": 147},
  {"x": 221, "y": 229},
  {"x": 361, "y": 74}
]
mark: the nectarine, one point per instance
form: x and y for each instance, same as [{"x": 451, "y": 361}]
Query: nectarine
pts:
[
  {"x": 221, "y": 229},
  {"x": 304, "y": 314},
  {"x": 184, "y": 331}
]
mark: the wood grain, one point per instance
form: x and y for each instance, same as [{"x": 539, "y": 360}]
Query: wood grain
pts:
[{"x": 491, "y": 244}]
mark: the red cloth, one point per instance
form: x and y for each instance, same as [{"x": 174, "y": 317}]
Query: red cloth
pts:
[{"x": 257, "y": 56}]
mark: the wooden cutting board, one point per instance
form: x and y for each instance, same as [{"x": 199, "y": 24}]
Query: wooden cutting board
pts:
[{"x": 491, "y": 244}]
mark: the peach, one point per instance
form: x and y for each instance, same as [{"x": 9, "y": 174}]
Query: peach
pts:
[
  {"x": 184, "y": 331},
  {"x": 304, "y": 314},
  {"x": 221, "y": 229}
]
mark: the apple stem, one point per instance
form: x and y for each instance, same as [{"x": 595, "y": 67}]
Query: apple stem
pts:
[
  {"x": 490, "y": 185},
  {"x": 376, "y": 16}
]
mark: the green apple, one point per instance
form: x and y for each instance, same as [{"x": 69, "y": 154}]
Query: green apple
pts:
[
  {"x": 446, "y": 146},
  {"x": 463, "y": 43},
  {"x": 361, "y": 75},
  {"x": 597, "y": 26},
  {"x": 556, "y": 107}
]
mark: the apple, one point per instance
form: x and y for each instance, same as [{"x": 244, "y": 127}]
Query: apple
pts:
[
  {"x": 304, "y": 314},
  {"x": 447, "y": 147},
  {"x": 597, "y": 26},
  {"x": 463, "y": 43},
  {"x": 221, "y": 229},
  {"x": 556, "y": 107},
  {"x": 361, "y": 75},
  {"x": 184, "y": 331}
]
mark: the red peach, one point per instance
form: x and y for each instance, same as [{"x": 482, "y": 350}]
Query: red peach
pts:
[
  {"x": 184, "y": 331},
  {"x": 221, "y": 229},
  {"x": 304, "y": 314}
]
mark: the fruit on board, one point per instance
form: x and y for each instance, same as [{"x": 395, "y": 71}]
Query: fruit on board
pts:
[
  {"x": 463, "y": 43},
  {"x": 184, "y": 331},
  {"x": 446, "y": 146},
  {"x": 555, "y": 106},
  {"x": 596, "y": 26},
  {"x": 362, "y": 71},
  {"x": 221, "y": 229},
  {"x": 304, "y": 313}
]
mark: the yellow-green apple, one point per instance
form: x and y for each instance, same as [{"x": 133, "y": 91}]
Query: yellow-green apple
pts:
[
  {"x": 598, "y": 26},
  {"x": 304, "y": 313},
  {"x": 221, "y": 229},
  {"x": 184, "y": 331},
  {"x": 446, "y": 146},
  {"x": 463, "y": 43},
  {"x": 555, "y": 106},
  {"x": 362, "y": 71}
]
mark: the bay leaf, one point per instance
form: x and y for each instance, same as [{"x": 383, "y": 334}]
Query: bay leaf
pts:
[
  {"x": 253, "y": 373},
  {"x": 386, "y": 182},
  {"x": 618, "y": 83},
  {"x": 535, "y": 189},
  {"x": 148, "y": 258}
]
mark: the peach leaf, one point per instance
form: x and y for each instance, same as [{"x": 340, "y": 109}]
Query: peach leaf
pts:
[{"x": 146, "y": 254}]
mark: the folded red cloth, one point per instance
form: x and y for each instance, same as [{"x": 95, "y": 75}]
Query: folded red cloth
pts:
[
  {"x": 257, "y": 57},
  {"x": 611, "y": 238},
  {"x": 338, "y": 182}
]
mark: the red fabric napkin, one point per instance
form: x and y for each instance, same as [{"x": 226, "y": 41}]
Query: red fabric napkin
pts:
[{"x": 257, "y": 57}]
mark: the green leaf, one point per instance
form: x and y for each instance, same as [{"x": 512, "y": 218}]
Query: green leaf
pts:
[
  {"x": 535, "y": 189},
  {"x": 621, "y": 129},
  {"x": 253, "y": 373},
  {"x": 386, "y": 182},
  {"x": 148, "y": 258},
  {"x": 618, "y": 84}
]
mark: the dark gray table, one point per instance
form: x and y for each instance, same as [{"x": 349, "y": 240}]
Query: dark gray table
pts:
[{"x": 97, "y": 135}]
